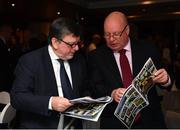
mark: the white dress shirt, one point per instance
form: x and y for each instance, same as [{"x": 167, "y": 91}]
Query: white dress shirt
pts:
[
  {"x": 56, "y": 68},
  {"x": 129, "y": 56}
]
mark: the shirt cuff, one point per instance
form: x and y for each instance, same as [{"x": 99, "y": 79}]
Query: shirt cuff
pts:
[
  {"x": 50, "y": 102},
  {"x": 168, "y": 83}
]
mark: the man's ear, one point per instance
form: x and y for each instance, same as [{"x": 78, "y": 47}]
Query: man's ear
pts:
[
  {"x": 127, "y": 30},
  {"x": 55, "y": 43}
]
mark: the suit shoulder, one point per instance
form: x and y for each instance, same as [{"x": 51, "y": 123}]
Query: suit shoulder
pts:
[
  {"x": 100, "y": 50},
  {"x": 144, "y": 45},
  {"x": 33, "y": 55}
]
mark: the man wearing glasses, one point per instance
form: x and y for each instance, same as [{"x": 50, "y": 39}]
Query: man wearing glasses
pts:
[
  {"x": 47, "y": 78},
  {"x": 107, "y": 73}
]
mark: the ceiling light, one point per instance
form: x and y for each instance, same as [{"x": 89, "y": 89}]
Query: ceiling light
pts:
[
  {"x": 12, "y": 5},
  {"x": 147, "y": 2},
  {"x": 58, "y": 13},
  {"x": 178, "y": 12},
  {"x": 133, "y": 16}
]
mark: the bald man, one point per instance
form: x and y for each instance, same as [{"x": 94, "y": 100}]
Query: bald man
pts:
[{"x": 106, "y": 74}]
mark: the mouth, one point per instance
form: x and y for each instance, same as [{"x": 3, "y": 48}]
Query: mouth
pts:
[
  {"x": 72, "y": 54},
  {"x": 113, "y": 44}
]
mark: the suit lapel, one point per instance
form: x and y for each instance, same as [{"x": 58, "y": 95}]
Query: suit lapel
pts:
[
  {"x": 51, "y": 80},
  {"x": 111, "y": 66},
  {"x": 137, "y": 61},
  {"x": 74, "y": 72}
]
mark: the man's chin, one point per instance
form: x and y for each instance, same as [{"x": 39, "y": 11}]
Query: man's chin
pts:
[
  {"x": 70, "y": 57},
  {"x": 114, "y": 48}
]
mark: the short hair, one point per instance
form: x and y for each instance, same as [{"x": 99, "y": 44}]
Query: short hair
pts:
[{"x": 62, "y": 26}]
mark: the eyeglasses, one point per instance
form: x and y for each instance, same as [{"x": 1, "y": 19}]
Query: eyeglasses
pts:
[
  {"x": 70, "y": 44},
  {"x": 115, "y": 35}
]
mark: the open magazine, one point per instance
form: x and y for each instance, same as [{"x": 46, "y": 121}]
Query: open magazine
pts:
[
  {"x": 87, "y": 108},
  {"x": 135, "y": 97}
]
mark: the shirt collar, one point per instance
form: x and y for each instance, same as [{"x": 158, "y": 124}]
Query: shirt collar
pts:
[
  {"x": 128, "y": 46},
  {"x": 53, "y": 56}
]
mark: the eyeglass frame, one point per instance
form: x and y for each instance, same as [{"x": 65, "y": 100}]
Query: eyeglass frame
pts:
[
  {"x": 109, "y": 35},
  {"x": 70, "y": 44}
]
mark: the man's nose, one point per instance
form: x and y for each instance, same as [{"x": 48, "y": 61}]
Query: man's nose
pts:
[{"x": 76, "y": 48}]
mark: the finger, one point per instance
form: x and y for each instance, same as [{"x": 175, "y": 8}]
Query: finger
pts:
[
  {"x": 160, "y": 71},
  {"x": 118, "y": 95},
  {"x": 117, "y": 100},
  {"x": 161, "y": 74},
  {"x": 162, "y": 79}
]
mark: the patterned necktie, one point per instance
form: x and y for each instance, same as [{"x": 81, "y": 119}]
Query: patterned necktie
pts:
[
  {"x": 125, "y": 69},
  {"x": 65, "y": 83}
]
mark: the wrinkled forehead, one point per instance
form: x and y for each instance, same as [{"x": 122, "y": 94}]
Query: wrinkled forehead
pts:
[{"x": 113, "y": 26}]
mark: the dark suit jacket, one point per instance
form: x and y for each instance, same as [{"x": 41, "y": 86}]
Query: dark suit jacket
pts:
[
  {"x": 5, "y": 70},
  {"x": 105, "y": 77},
  {"x": 34, "y": 85}
]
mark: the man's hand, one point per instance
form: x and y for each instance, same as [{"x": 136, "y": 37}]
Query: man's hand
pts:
[
  {"x": 117, "y": 94},
  {"x": 161, "y": 76},
  {"x": 60, "y": 104}
]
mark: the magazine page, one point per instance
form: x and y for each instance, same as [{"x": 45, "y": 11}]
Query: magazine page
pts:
[
  {"x": 135, "y": 97},
  {"x": 89, "y": 112},
  {"x": 105, "y": 99},
  {"x": 87, "y": 108},
  {"x": 131, "y": 103},
  {"x": 143, "y": 81}
]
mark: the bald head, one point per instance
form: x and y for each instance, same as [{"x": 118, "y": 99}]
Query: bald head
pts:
[
  {"x": 115, "y": 19},
  {"x": 116, "y": 31}
]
